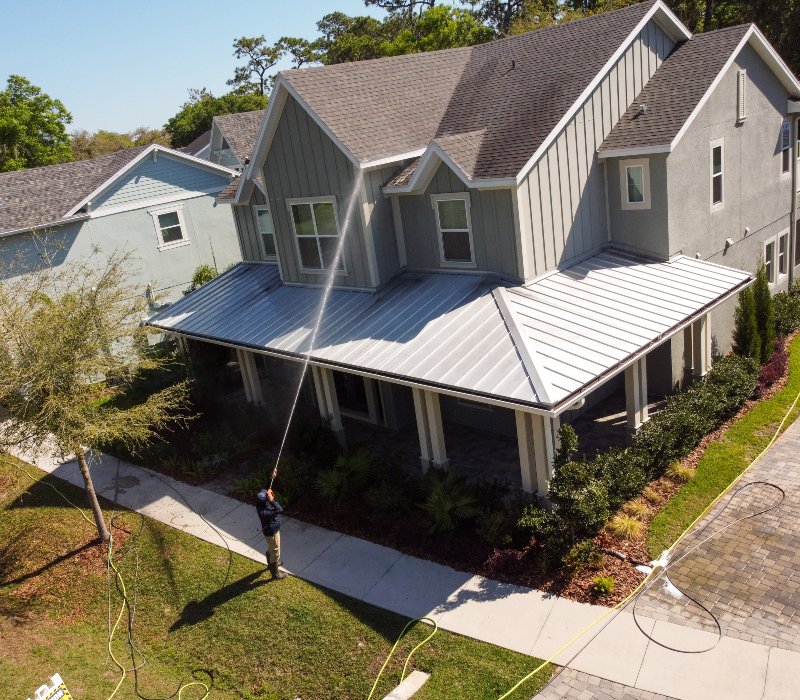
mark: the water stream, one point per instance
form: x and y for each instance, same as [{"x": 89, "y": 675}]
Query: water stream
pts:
[{"x": 326, "y": 293}]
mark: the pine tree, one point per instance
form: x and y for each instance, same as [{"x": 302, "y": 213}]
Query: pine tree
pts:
[
  {"x": 746, "y": 338},
  {"x": 765, "y": 314}
]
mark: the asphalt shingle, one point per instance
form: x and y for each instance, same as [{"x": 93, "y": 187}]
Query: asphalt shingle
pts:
[{"x": 241, "y": 131}]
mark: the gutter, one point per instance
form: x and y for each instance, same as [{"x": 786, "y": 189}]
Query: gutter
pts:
[{"x": 37, "y": 227}]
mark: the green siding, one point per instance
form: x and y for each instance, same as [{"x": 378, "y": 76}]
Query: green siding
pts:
[{"x": 246, "y": 227}]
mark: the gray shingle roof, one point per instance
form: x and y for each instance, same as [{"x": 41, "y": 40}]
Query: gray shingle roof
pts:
[
  {"x": 487, "y": 116},
  {"x": 675, "y": 90},
  {"x": 198, "y": 144},
  {"x": 43, "y": 195},
  {"x": 229, "y": 192},
  {"x": 241, "y": 131}
]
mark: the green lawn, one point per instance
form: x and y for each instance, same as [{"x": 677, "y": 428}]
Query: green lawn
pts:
[
  {"x": 724, "y": 460},
  {"x": 196, "y": 608}
]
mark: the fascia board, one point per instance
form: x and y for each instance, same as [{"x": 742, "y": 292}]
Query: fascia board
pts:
[
  {"x": 663, "y": 12},
  {"x": 772, "y": 58},
  {"x": 388, "y": 160},
  {"x": 275, "y": 105},
  {"x": 635, "y": 151},
  {"x": 38, "y": 227}
]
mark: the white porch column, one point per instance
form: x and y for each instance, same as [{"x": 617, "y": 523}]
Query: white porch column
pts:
[
  {"x": 636, "y": 394},
  {"x": 701, "y": 346},
  {"x": 688, "y": 353},
  {"x": 422, "y": 428},
  {"x": 252, "y": 384},
  {"x": 438, "y": 451},
  {"x": 325, "y": 389},
  {"x": 537, "y": 438}
]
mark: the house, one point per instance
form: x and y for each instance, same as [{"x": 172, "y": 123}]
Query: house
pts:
[
  {"x": 233, "y": 137},
  {"x": 528, "y": 226},
  {"x": 200, "y": 147},
  {"x": 157, "y": 203}
]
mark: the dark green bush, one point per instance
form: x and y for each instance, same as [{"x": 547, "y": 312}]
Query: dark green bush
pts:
[
  {"x": 765, "y": 314},
  {"x": 315, "y": 443},
  {"x": 746, "y": 338},
  {"x": 580, "y": 498},
  {"x": 448, "y": 501},
  {"x": 787, "y": 310},
  {"x": 584, "y": 555},
  {"x": 346, "y": 479}
]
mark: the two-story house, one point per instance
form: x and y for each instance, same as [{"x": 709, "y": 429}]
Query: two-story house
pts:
[
  {"x": 153, "y": 202},
  {"x": 527, "y": 225}
]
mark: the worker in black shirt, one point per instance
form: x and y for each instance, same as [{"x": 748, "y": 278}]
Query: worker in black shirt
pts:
[{"x": 269, "y": 511}]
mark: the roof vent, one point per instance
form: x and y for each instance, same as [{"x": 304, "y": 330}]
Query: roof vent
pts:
[{"x": 642, "y": 108}]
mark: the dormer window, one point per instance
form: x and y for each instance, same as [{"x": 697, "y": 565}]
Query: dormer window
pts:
[
  {"x": 316, "y": 232},
  {"x": 455, "y": 229}
]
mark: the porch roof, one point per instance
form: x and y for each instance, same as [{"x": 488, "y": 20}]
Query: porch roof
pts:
[{"x": 539, "y": 345}]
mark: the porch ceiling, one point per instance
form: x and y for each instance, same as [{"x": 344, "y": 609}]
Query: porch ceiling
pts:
[{"x": 536, "y": 345}]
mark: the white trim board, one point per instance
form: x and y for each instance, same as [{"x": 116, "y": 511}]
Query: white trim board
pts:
[{"x": 143, "y": 203}]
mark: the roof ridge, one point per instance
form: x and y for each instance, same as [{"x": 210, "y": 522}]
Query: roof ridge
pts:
[{"x": 527, "y": 353}]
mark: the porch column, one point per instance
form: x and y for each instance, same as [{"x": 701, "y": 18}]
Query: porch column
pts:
[
  {"x": 431, "y": 431},
  {"x": 252, "y": 384},
  {"x": 537, "y": 440},
  {"x": 636, "y": 394},
  {"x": 688, "y": 353},
  {"x": 701, "y": 346},
  {"x": 373, "y": 401},
  {"x": 328, "y": 401}
]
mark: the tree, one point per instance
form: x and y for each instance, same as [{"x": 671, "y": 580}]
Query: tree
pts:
[
  {"x": 302, "y": 51},
  {"x": 441, "y": 27},
  {"x": 90, "y": 145},
  {"x": 69, "y": 339},
  {"x": 765, "y": 314},
  {"x": 499, "y": 15},
  {"x": 33, "y": 127},
  {"x": 346, "y": 38},
  {"x": 746, "y": 339},
  {"x": 196, "y": 114},
  {"x": 403, "y": 8},
  {"x": 253, "y": 77}
]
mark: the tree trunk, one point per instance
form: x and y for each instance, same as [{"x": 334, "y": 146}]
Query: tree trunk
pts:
[
  {"x": 102, "y": 531},
  {"x": 709, "y": 15}
]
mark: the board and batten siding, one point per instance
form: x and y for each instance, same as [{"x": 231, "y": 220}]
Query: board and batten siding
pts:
[
  {"x": 304, "y": 162},
  {"x": 562, "y": 201},
  {"x": 161, "y": 179},
  {"x": 378, "y": 213},
  {"x": 246, "y": 228},
  {"x": 491, "y": 216}
]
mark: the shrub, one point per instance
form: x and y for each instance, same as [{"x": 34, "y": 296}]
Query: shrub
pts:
[
  {"x": 625, "y": 527},
  {"x": 539, "y": 524},
  {"x": 315, "y": 443},
  {"x": 679, "y": 472},
  {"x": 584, "y": 555},
  {"x": 775, "y": 369},
  {"x": 493, "y": 527},
  {"x": 787, "y": 310},
  {"x": 603, "y": 585},
  {"x": 636, "y": 509},
  {"x": 567, "y": 445},
  {"x": 347, "y": 478},
  {"x": 580, "y": 499},
  {"x": 651, "y": 495},
  {"x": 746, "y": 338},
  {"x": 765, "y": 314},
  {"x": 203, "y": 274},
  {"x": 448, "y": 501}
]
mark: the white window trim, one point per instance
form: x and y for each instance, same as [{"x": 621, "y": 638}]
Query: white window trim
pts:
[
  {"x": 450, "y": 196},
  {"x": 716, "y": 206},
  {"x": 328, "y": 199},
  {"x": 257, "y": 208},
  {"x": 785, "y": 174},
  {"x": 780, "y": 276},
  {"x": 774, "y": 241},
  {"x": 178, "y": 209},
  {"x": 623, "y": 183}
]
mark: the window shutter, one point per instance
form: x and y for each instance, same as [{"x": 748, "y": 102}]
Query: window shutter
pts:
[{"x": 742, "y": 115}]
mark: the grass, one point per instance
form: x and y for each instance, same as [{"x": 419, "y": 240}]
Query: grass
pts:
[
  {"x": 724, "y": 460},
  {"x": 199, "y": 609}
]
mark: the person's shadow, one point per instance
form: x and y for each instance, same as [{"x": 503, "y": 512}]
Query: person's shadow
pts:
[{"x": 196, "y": 611}]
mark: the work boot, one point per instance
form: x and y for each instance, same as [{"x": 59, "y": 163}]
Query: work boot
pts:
[{"x": 277, "y": 574}]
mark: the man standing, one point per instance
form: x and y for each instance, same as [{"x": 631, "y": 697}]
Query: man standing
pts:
[{"x": 269, "y": 511}]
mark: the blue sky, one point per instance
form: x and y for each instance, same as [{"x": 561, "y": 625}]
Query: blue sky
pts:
[{"x": 118, "y": 65}]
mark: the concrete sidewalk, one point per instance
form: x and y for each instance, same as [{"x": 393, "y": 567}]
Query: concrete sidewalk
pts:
[{"x": 506, "y": 615}]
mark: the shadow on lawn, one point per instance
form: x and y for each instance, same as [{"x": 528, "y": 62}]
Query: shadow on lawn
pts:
[{"x": 197, "y": 611}]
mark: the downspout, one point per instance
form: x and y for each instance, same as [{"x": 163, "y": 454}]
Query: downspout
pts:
[{"x": 793, "y": 218}]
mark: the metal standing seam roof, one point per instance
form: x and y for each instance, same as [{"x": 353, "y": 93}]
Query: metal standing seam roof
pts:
[{"x": 449, "y": 331}]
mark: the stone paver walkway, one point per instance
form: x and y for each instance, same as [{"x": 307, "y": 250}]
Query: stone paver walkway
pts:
[{"x": 574, "y": 685}]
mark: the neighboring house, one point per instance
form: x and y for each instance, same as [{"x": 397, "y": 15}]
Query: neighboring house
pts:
[
  {"x": 154, "y": 202},
  {"x": 528, "y": 225},
  {"x": 200, "y": 147},
  {"x": 233, "y": 137}
]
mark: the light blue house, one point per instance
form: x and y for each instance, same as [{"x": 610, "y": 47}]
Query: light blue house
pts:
[
  {"x": 156, "y": 203},
  {"x": 528, "y": 226}
]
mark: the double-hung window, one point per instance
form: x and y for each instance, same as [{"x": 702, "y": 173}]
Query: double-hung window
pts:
[
  {"x": 170, "y": 227},
  {"x": 786, "y": 147},
  {"x": 455, "y": 229},
  {"x": 635, "y": 183},
  {"x": 717, "y": 167},
  {"x": 783, "y": 254},
  {"x": 776, "y": 257},
  {"x": 769, "y": 260},
  {"x": 266, "y": 231},
  {"x": 316, "y": 232}
]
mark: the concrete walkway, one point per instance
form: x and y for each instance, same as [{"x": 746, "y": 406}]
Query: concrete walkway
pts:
[{"x": 509, "y": 616}]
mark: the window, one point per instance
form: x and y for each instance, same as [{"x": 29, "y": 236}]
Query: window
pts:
[
  {"x": 170, "y": 227},
  {"x": 455, "y": 231},
  {"x": 316, "y": 232},
  {"x": 635, "y": 183},
  {"x": 717, "y": 162},
  {"x": 797, "y": 243},
  {"x": 769, "y": 260},
  {"x": 783, "y": 253},
  {"x": 266, "y": 230},
  {"x": 786, "y": 147},
  {"x": 742, "y": 97}
]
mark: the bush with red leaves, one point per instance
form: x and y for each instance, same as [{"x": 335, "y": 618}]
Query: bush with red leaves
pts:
[
  {"x": 507, "y": 562},
  {"x": 774, "y": 369}
]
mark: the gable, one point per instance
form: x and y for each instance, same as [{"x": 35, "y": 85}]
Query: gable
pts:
[{"x": 159, "y": 178}]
